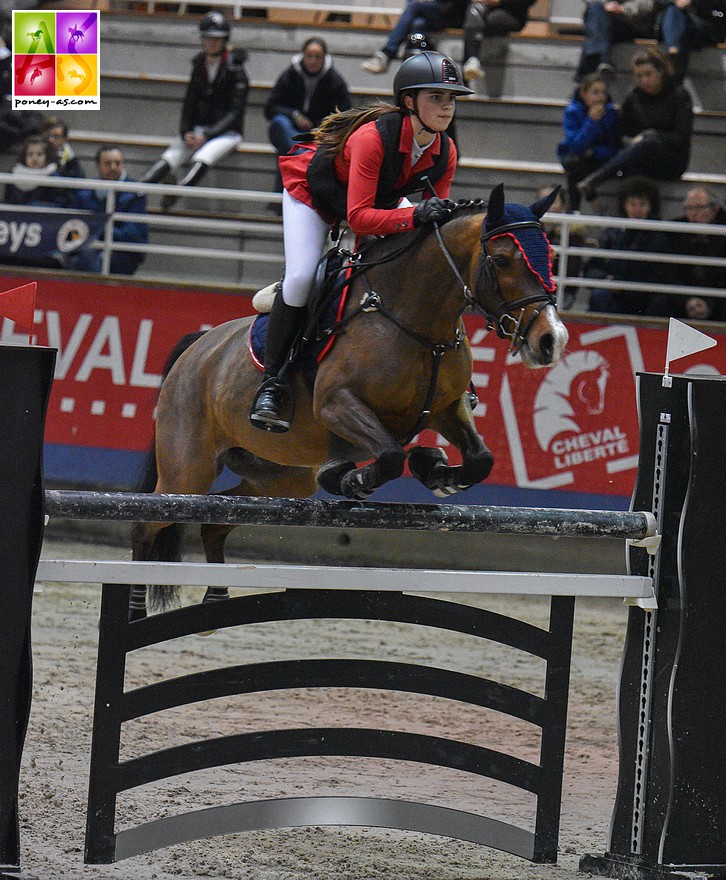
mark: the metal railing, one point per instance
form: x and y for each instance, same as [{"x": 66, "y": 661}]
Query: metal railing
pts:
[{"x": 272, "y": 229}]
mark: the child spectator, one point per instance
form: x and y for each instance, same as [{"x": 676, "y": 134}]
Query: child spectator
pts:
[
  {"x": 607, "y": 22},
  {"x": 638, "y": 199},
  {"x": 110, "y": 166},
  {"x": 656, "y": 123},
  {"x": 35, "y": 158},
  {"x": 419, "y": 16},
  {"x": 212, "y": 116},
  {"x": 590, "y": 125},
  {"x": 307, "y": 91}
]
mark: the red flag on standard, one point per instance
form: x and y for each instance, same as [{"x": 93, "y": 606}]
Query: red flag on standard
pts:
[{"x": 18, "y": 305}]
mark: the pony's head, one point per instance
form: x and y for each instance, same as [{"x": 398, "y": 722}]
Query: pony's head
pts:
[{"x": 514, "y": 286}]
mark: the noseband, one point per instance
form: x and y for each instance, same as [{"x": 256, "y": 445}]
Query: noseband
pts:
[{"x": 504, "y": 322}]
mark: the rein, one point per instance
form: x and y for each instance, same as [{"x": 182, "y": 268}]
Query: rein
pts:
[{"x": 504, "y": 323}]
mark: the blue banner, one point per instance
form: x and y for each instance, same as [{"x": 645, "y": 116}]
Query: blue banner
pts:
[{"x": 42, "y": 233}]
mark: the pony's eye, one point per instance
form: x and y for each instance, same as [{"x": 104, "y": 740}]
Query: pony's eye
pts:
[{"x": 501, "y": 261}]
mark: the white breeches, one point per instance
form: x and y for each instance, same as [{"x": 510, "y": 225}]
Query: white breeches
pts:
[
  {"x": 212, "y": 151},
  {"x": 305, "y": 235}
]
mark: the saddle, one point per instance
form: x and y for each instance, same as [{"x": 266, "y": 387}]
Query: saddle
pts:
[{"x": 325, "y": 307}]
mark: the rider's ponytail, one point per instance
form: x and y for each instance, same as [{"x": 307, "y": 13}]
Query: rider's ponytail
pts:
[{"x": 335, "y": 129}]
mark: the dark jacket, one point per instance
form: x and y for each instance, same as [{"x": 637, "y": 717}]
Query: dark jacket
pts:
[
  {"x": 667, "y": 116},
  {"x": 701, "y": 245},
  {"x": 288, "y": 94},
  {"x": 454, "y": 12},
  {"x": 518, "y": 9},
  {"x": 42, "y": 196},
  {"x": 129, "y": 231},
  {"x": 219, "y": 106}
]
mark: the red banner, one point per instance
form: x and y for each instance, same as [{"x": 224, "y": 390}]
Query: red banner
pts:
[{"x": 573, "y": 427}]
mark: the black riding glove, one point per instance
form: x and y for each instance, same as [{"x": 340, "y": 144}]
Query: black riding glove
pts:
[{"x": 433, "y": 210}]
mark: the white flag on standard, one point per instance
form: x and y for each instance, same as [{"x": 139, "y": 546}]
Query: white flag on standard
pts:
[{"x": 683, "y": 340}]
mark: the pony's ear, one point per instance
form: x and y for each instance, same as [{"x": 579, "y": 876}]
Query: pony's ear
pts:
[
  {"x": 541, "y": 206},
  {"x": 495, "y": 208}
]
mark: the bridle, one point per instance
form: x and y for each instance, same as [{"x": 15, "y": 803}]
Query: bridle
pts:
[{"x": 503, "y": 321}]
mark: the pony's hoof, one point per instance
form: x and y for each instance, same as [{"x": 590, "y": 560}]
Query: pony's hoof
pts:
[
  {"x": 330, "y": 475},
  {"x": 355, "y": 485},
  {"x": 423, "y": 462}
]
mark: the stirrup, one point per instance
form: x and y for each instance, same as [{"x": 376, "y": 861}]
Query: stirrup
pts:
[{"x": 271, "y": 419}]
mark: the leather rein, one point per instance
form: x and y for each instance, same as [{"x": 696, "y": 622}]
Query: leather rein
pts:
[{"x": 503, "y": 322}]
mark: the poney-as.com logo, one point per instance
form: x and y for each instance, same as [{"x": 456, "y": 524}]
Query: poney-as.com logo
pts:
[{"x": 56, "y": 59}]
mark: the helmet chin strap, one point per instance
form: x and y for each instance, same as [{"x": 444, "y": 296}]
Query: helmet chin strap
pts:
[{"x": 414, "y": 112}]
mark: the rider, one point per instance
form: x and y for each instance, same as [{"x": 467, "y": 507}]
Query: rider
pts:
[{"x": 359, "y": 167}]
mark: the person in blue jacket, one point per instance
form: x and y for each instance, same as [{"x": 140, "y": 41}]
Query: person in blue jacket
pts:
[
  {"x": 110, "y": 165},
  {"x": 590, "y": 124}
]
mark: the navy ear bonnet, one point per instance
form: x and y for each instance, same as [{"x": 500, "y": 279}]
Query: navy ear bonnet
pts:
[{"x": 531, "y": 240}]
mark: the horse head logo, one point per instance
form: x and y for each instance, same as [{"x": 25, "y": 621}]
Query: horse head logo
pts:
[{"x": 577, "y": 383}]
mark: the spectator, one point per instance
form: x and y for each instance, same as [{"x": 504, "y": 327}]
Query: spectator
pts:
[
  {"x": 577, "y": 238},
  {"x": 35, "y": 157},
  {"x": 212, "y": 117},
  {"x": 15, "y": 125},
  {"x": 55, "y": 131},
  {"x": 590, "y": 125},
  {"x": 638, "y": 199},
  {"x": 656, "y": 122},
  {"x": 607, "y": 22},
  {"x": 307, "y": 91},
  {"x": 110, "y": 166},
  {"x": 419, "y": 16},
  {"x": 701, "y": 206},
  {"x": 684, "y": 26},
  {"x": 490, "y": 18}
]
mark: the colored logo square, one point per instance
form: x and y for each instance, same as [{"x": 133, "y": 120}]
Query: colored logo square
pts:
[
  {"x": 34, "y": 33},
  {"x": 76, "y": 32},
  {"x": 76, "y": 74},
  {"x": 34, "y": 75}
]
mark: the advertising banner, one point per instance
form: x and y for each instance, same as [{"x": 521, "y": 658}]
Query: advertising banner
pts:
[
  {"x": 43, "y": 233},
  {"x": 566, "y": 432}
]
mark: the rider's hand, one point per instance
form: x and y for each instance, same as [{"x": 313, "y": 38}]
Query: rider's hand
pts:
[{"x": 433, "y": 210}]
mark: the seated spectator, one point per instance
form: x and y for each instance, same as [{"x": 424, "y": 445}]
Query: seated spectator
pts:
[
  {"x": 490, "y": 18},
  {"x": 110, "y": 166},
  {"x": 684, "y": 26},
  {"x": 638, "y": 199},
  {"x": 608, "y": 22},
  {"x": 656, "y": 124},
  {"x": 35, "y": 157},
  {"x": 212, "y": 117},
  {"x": 701, "y": 206},
  {"x": 307, "y": 91},
  {"x": 590, "y": 125},
  {"x": 577, "y": 238},
  {"x": 15, "y": 125},
  {"x": 419, "y": 16},
  {"x": 55, "y": 131}
]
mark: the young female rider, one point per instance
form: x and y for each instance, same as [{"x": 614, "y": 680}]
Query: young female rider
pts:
[{"x": 360, "y": 166}]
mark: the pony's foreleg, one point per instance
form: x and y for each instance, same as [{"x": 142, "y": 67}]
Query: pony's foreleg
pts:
[
  {"x": 431, "y": 467},
  {"x": 213, "y": 538},
  {"x": 349, "y": 418}
]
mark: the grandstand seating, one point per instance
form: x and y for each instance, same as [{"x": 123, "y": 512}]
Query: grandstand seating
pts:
[{"x": 507, "y": 132}]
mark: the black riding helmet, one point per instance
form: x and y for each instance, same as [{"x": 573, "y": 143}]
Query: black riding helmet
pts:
[
  {"x": 214, "y": 24},
  {"x": 428, "y": 70}
]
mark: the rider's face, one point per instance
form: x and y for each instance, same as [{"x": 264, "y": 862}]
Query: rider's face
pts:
[
  {"x": 435, "y": 107},
  {"x": 213, "y": 46}
]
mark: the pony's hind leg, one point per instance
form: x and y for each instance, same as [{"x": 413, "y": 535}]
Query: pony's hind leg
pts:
[{"x": 431, "y": 467}]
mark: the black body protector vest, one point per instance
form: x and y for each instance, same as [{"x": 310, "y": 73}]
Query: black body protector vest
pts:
[{"x": 330, "y": 196}]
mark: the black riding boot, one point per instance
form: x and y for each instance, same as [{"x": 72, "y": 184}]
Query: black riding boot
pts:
[
  {"x": 157, "y": 172},
  {"x": 283, "y": 325},
  {"x": 194, "y": 175}
]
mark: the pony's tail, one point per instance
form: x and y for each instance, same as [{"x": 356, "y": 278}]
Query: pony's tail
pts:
[{"x": 168, "y": 543}]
